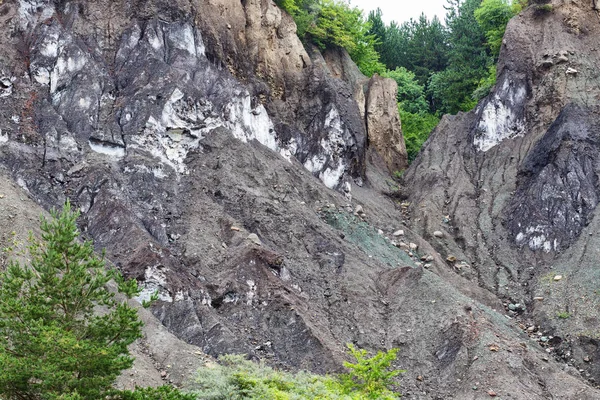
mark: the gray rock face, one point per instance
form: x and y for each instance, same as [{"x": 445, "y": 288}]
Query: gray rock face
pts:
[
  {"x": 549, "y": 213},
  {"x": 516, "y": 180}
]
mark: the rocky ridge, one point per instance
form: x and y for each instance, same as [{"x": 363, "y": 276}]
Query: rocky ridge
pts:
[{"x": 514, "y": 184}]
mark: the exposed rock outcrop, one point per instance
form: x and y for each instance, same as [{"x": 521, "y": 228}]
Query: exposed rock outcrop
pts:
[
  {"x": 515, "y": 182},
  {"x": 383, "y": 123}
]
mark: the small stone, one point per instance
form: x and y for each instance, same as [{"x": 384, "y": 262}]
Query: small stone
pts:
[
  {"x": 163, "y": 374},
  {"x": 358, "y": 210},
  {"x": 438, "y": 234},
  {"x": 1, "y": 196},
  {"x": 586, "y": 359},
  {"x": 557, "y": 278},
  {"x": 492, "y": 393},
  {"x": 494, "y": 347},
  {"x": 531, "y": 329},
  {"x": 420, "y": 378},
  {"x": 427, "y": 266},
  {"x": 413, "y": 246},
  {"x": 235, "y": 228},
  {"x": 429, "y": 258},
  {"x": 399, "y": 232},
  {"x": 538, "y": 298},
  {"x": 512, "y": 307},
  {"x": 571, "y": 71},
  {"x": 253, "y": 237},
  {"x": 451, "y": 258},
  {"x": 380, "y": 232},
  {"x": 562, "y": 58}
]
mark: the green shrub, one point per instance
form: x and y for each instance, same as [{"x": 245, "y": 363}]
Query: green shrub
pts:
[
  {"x": 563, "y": 315},
  {"x": 236, "y": 378},
  {"x": 411, "y": 94},
  {"x": 485, "y": 84},
  {"x": 416, "y": 128},
  {"x": 371, "y": 378},
  {"x": 334, "y": 23},
  {"x": 159, "y": 393},
  {"x": 541, "y": 9}
]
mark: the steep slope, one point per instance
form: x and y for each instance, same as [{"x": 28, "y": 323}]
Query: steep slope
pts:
[
  {"x": 156, "y": 352},
  {"x": 514, "y": 184},
  {"x": 200, "y": 141}
]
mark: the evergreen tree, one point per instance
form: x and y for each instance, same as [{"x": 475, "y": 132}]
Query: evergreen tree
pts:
[
  {"x": 62, "y": 332},
  {"x": 469, "y": 60},
  {"x": 492, "y": 16}
]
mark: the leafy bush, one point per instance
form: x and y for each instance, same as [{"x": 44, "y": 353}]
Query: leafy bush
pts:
[
  {"x": 236, "y": 378},
  {"x": 159, "y": 393},
  {"x": 371, "y": 378},
  {"x": 416, "y": 128},
  {"x": 411, "y": 95}
]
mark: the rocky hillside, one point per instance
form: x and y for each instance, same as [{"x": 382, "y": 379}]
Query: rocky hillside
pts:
[
  {"x": 514, "y": 184},
  {"x": 248, "y": 180}
]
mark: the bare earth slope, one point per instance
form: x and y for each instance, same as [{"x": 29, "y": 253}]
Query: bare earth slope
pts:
[{"x": 200, "y": 140}]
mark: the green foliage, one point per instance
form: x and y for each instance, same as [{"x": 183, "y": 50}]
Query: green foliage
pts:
[
  {"x": 398, "y": 174},
  {"x": 563, "y": 315},
  {"x": 411, "y": 95},
  {"x": 333, "y": 23},
  {"x": 450, "y": 90},
  {"x": 52, "y": 343},
  {"x": 492, "y": 16},
  {"x": 485, "y": 84},
  {"x": 416, "y": 128},
  {"x": 541, "y": 9},
  {"x": 236, "y": 378},
  {"x": 371, "y": 377},
  {"x": 418, "y": 45},
  {"x": 519, "y": 5},
  {"x": 159, "y": 393}
]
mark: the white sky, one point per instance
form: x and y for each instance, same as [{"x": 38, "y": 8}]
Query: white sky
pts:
[{"x": 403, "y": 10}]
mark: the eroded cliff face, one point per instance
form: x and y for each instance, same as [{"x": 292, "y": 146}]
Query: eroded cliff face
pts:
[
  {"x": 514, "y": 184},
  {"x": 200, "y": 141}
]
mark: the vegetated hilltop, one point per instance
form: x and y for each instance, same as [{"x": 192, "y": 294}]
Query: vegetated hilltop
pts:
[{"x": 199, "y": 139}]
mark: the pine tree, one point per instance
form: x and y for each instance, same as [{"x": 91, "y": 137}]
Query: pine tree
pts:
[{"x": 63, "y": 334}]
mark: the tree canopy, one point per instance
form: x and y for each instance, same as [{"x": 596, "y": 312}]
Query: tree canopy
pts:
[{"x": 63, "y": 333}]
